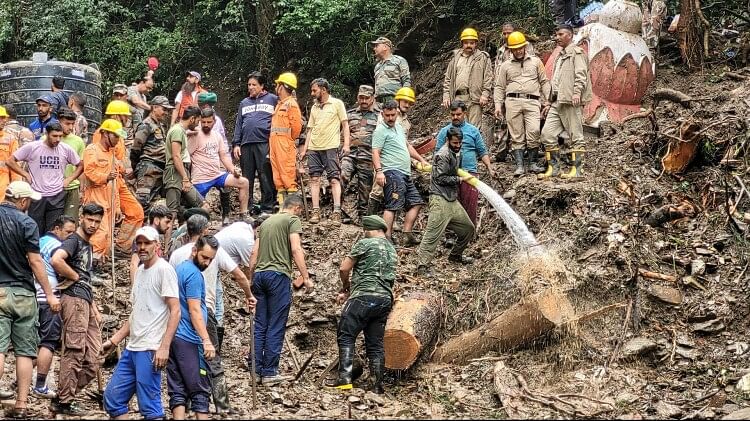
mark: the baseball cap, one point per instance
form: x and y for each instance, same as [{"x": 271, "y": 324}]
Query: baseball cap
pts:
[
  {"x": 119, "y": 88},
  {"x": 22, "y": 189},
  {"x": 148, "y": 232},
  {"x": 161, "y": 100},
  {"x": 195, "y": 74},
  {"x": 382, "y": 40},
  {"x": 44, "y": 98},
  {"x": 366, "y": 90}
]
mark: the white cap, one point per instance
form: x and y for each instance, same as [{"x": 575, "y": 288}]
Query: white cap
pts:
[
  {"x": 148, "y": 232},
  {"x": 22, "y": 189}
]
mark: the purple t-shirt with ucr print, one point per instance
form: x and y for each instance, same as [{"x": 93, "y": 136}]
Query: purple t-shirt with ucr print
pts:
[{"x": 47, "y": 165}]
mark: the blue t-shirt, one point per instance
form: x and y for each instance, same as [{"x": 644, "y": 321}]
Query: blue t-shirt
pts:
[
  {"x": 47, "y": 246},
  {"x": 192, "y": 286},
  {"x": 38, "y": 127},
  {"x": 472, "y": 145}
]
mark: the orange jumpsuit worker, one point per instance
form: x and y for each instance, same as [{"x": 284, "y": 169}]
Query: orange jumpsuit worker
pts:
[
  {"x": 100, "y": 170},
  {"x": 8, "y": 146},
  {"x": 286, "y": 126}
]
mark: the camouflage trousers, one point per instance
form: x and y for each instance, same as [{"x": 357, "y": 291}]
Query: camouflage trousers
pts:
[
  {"x": 361, "y": 168},
  {"x": 149, "y": 182}
]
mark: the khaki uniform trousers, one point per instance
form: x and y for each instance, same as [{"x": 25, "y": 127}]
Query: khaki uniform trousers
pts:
[
  {"x": 565, "y": 117},
  {"x": 523, "y": 116}
]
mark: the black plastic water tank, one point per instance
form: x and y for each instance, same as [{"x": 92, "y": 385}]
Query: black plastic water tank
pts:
[{"x": 22, "y": 82}]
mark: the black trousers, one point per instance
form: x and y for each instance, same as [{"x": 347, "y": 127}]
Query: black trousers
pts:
[
  {"x": 366, "y": 313},
  {"x": 46, "y": 210},
  {"x": 213, "y": 335},
  {"x": 255, "y": 159}
]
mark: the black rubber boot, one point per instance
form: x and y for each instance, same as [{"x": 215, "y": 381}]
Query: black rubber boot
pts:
[
  {"x": 534, "y": 166},
  {"x": 226, "y": 204},
  {"x": 221, "y": 395},
  {"x": 346, "y": 362},
  {"x": 377, "y": 367},
  {"x": 518, "y": 157}
]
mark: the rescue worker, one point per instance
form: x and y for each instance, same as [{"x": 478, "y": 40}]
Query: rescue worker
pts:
[
  {"x": 362, "y": 123},
  {"x": 473, "y": 149},
  {"x": 147, "y": 156},
  {"x": 521, "y": 90},
  {"x": 405, "y": 98},
  {"x": 45, "y": 116},
  {"x": 208, "y": 100},
  {"x": 188, "y": 95},
  {"x": 503, "y": 52},
  {"x": 120, "y": 111},
  {"x": 17, "y": 131},
  {"x": 367, "y": 276},
  {"x": 571, "y": 90},
  {"x": 468, "y": 77},
  {"x": 391, "y": 158},
  {"x": 391, "y": 71},
  {"x": 445, "y": 210},
  {"x": 100, "y": 169},
  {"x": 325, "y": 128},
  {"x": 286, "y": 127},
  {"x": 8, "y": 146},
  {"x": 251, "y": 135}
]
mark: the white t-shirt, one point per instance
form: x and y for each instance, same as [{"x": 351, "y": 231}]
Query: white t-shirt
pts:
[
  {"x": 150, "y": 314},
  {"x": 211, "y": 275},
  {"x": 238, "y": 240}
]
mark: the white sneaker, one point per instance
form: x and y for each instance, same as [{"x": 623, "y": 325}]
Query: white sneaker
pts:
[{"x": 44, "y": 392}]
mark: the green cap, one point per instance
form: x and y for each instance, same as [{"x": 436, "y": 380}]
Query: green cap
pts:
[
  {"x": 373, "y": 222},
  {"x": 207, "y": 98}
]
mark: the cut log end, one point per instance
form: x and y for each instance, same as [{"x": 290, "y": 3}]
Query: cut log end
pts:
[{"x": 403, "y": 349}]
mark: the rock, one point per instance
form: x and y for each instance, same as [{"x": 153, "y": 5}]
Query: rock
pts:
[
  {"x": 709, "y": 327},
  {"x": 509, "y": 194},
  {"x": 697, "y": 267},
  {"x": 686, "y": 352},
  {"x": 276, "y": 397},
  {"x": 743, "y": 385},
  {"x": 705, "y": 252},
  {"x": 638, "y": 346},
  {"x": 666, "y": 294},
  {"x": 667, "y": 410},
  {"x": 729, "y": 408},
  {"x": 362, "y": 407},
  {"x": 375, "y": 398},
  {"x": 738, "y": 348},
  {"x": 354, "y": 399},
  {"x": 742, "y": 414}
]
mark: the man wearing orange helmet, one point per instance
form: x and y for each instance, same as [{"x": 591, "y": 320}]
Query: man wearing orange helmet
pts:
[
  {"x": 100, "y": 169},
  {"x": 468, "y": 77},
  {"x": 8, "y": 145},
  {"x": 521, "y": 90},
  {"x": 286, "y": 126}
]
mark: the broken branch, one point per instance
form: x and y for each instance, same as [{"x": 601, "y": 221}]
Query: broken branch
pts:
[
  {"x": 655, "y": 275},
  {"x": 672, "y": 95}
]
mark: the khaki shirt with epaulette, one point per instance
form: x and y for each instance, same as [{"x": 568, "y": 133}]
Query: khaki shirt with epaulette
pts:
[
  {"x": 526, "y": 76},
  {"x": 149, "y": 139},
  {"x": 361, "y": 126},
  {"x": 571, "y": 76}
]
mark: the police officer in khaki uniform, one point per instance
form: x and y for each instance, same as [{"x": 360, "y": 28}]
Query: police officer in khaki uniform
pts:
[
  {"x": 521, "y": 89},
  {"x": 571, "y": 90},
  {"x": 468, "y": 77},
  {"x": 362, "y": 122},
  {"x": 148, "y": 152}
]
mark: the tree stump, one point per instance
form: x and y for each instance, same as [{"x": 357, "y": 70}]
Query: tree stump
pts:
[
  {"x": 529, "y": 319},
  {"x": 412, "y": 325}
]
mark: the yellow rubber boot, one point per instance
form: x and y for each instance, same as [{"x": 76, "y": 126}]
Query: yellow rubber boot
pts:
[
  {"x": 553, "y": 164},
  {"x": 280, "y": 196},
  {"x": 576, "y": 170}
]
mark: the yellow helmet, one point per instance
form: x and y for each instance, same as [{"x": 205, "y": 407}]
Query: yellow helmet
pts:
[
  {"x": 516, "y": 40},
  {"x": 288, "y": 78},
  {"x": 118, "y": 107},
  {"x": 113, "y": 126},
  {"x": 3, "y": 112},
  {"x": 407, "y": 94},
  {"x": 469, "y": 34}
]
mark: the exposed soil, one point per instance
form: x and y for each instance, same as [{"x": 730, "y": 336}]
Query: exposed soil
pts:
[{"x": 595, "y": 227}]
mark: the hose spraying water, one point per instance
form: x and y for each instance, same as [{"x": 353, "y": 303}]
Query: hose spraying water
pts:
[{"x": 521, "y": 234}]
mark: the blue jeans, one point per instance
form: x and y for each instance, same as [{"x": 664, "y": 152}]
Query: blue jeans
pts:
[
  {"x": 135, "y": 374},
  {"x": 273, "y": 290}
]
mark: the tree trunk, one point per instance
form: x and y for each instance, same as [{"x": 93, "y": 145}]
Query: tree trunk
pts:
[
  {"x": 264, "y": 16},
  {"x": 412, "y": 325},
  {"x": 690, "y": 34},
  {"x": 529, "y": 319}
]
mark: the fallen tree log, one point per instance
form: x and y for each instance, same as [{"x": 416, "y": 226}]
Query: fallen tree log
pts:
[
  {"x": 672, "y": 95},
  {"x": 531, "y": 318},
  {"x": 412, "y": 325}
]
